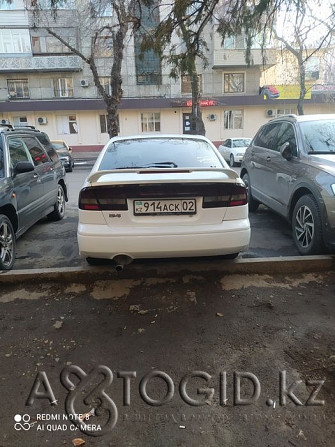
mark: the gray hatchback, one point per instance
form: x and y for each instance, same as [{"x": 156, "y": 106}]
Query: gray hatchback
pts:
[{"x": 290, "y": 167}]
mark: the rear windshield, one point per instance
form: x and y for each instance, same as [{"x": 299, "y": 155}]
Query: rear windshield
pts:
[
  {"x": 242, "y": 142},
  {"x": 59, "y": 146},
  {"x": 43, "y": 139},
  {"x": 161, "y": 153},
  {"x": 319, "y": 136}
]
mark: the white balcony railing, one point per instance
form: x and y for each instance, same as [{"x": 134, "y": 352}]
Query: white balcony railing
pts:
[{"x": 42, "y": 63}]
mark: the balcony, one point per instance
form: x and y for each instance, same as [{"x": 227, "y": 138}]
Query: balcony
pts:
[
  {"x": 24, "y": 64},
  {"x": 233, "y": 52},
  {"x": 223, "y": 58}
]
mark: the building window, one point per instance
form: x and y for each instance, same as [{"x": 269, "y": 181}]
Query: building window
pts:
[
  {"x": 18, "y": 88},
  {"x": 100, "y": 9},
  {"x": 61, "y": 4},
  {"x": 62, "y": 87},
  {"x": 280, "y": 112},
  {"x": 234, "y": 42},
  {"x": 147, "y": 63},
  {"x": 67, "y": 124},
  {"x": 103, "y": 124},
  {"x": 233, "y": 119},
  {"x": 106, "y": 83},
  {"x": 4, "y": 5},
  {"x": 186, "y": 86},
  {"x": 234, "y": 82},
  {"x": 151, "y": 122},
  {"x": 14, "y": 41},
  {"x": 312, "y": 68},
  {"x": 20, "y": 121},
  {"x": 51, "y": 45},
  {"x": 103, "y": 46}
]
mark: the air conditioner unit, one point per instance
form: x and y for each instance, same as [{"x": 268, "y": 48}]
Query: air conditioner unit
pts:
[
  {"x": 42, "y": 120},
  {"x": 212, "y": 117},
  {"x": 4, "y": 121},
  {"x": 270, "y": 112},
  {"x": 84, "y": 83}
]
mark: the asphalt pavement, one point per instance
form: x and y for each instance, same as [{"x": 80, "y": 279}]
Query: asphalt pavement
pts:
[{"x": 168, "y": 357}]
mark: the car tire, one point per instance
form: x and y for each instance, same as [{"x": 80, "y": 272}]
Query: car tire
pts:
[
  {"x": 7, "y": 243},
  {"x": 307, "y": 226},
  {"x": 70, "y": 169},
  {"x": 59, "y": 209},
  {"x": 232, "y": 161},
  {"x": 252, "y": 203}
]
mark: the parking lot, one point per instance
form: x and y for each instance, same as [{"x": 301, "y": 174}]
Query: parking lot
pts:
[{"x": 53, "y": 245}]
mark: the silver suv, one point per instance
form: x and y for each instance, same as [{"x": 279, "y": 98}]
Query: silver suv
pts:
[{"x": 290, "y": 167}]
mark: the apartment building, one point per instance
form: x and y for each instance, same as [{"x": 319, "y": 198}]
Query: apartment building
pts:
[{"x": 42, "y": 83}]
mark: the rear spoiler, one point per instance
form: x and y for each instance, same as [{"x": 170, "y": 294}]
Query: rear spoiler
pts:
[{"x": 97, "y": 175}]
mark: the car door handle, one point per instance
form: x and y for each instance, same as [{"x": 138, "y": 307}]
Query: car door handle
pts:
[
  {"x": 268, "y": 158},
  {"x": 37, "y": 177}
]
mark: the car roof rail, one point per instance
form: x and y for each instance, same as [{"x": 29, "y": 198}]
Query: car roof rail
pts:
[
  {"x": 26, "y": 127},
  {"x": 7, "y": 126}
]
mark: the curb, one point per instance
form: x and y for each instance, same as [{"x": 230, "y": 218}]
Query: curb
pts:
[{"x": 138, "y": 269}]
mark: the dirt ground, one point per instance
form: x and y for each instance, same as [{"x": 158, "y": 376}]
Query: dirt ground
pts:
[{"x": 182, "y": 359}]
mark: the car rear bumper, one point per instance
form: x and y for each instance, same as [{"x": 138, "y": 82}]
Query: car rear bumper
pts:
[{"x": 100, "y": 241}]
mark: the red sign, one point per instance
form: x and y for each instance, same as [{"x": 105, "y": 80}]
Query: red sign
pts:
[{"x": 202, "y": 103}]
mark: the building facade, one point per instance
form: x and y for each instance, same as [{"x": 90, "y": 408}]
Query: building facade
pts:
[{"x": 43, "y": 83}]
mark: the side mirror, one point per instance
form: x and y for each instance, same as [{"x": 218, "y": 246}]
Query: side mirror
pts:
[
  {"x": 286, "y": 151},
  {"x": 23, "y": 166}
]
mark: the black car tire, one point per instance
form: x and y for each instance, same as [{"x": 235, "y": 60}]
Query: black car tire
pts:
[
  {"x": 59, "y": 210},
  {"x": 7, "y": 243},
  {"x": 252, "y": 203},
  {"x": 231, "y": 161},
  {"x": 307, "y": 227},
  {"x": 69, "y": 169}
]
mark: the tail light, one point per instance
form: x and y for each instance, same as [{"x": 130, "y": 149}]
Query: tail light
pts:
[
  {"x": 237, "y": 196},
  {"x": 100, "y": 199},
  {"x": 114, "y": 198}
]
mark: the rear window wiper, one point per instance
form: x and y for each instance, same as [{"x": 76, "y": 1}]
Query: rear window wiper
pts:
[{"x": 161, "y": 164}]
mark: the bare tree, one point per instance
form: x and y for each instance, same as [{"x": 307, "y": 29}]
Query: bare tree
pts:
[
  {"x": 99, "y": 31},
  {"x": 304, "y": 34}
]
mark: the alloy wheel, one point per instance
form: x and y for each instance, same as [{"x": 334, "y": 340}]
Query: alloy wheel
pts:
[
  {"x": 304, "y": 226},
  {"x": 6, "y": 245},
  {"x": 61, "y": 201}
]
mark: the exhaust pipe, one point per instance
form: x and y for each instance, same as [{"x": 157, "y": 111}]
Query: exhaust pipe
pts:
[{"x": 121, "y": 261}]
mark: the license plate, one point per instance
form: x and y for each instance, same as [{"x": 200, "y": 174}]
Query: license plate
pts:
[{"x": 164, "y": 207}]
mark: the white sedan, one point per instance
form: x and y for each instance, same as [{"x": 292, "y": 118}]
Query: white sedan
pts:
[
  {"x": 233, "y": 149},
  {"x": 161, "y": 196}
]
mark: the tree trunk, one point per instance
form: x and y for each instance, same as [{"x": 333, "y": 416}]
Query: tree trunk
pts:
[
  {"x": 116, "y": 83},
  {"x": 302, "y": 82},
  {"x": 197, "y": 124}
]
